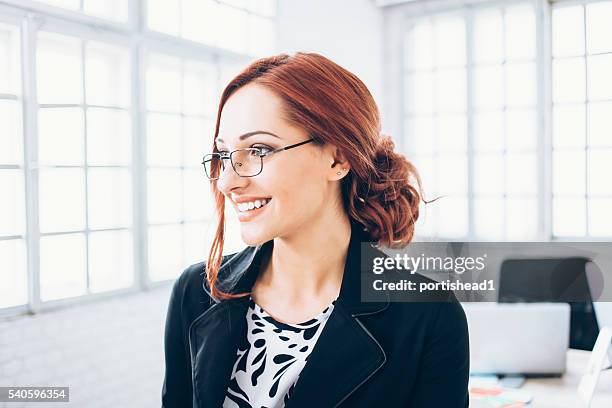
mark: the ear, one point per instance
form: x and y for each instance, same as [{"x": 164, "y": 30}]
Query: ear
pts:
[{"x": 338, "y": 165}]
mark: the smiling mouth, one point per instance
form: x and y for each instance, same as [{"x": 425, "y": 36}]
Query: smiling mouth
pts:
[{"x": 252, "y": 205}]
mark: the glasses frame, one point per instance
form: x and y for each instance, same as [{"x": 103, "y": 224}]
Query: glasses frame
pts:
[{"x": 230, "y": 156}]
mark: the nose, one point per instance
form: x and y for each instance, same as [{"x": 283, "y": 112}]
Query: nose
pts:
[{"x": 228, "y": 180}]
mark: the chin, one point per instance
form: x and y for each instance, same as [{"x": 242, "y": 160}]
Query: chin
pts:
[{"x": 254, "y": 235}]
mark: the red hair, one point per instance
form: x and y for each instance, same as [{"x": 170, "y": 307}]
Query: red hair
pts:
[{"x": 382, "y": 192}]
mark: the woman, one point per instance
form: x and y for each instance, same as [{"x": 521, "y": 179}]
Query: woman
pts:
[{"x": 298, "y": 154}]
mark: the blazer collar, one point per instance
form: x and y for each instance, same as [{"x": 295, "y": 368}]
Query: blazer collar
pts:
[{"x": 239, "y": 273}]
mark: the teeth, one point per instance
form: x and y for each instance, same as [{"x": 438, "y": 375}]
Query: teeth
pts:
[{"x": 252, "y": 204}]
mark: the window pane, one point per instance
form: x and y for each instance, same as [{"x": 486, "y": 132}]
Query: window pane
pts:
[
  {"x": 521, "y": 174},
  {"x": 489, "y": 174},
  {"x": 9, "y": 60},
  {"x": 198, "y": 200},
  {"x": 568, "y": 80},
  {"x": 599, "y": 83},
  {"x": 201, "y": 21},
  {"x": 420, "y": 92},
  {"x": 420, "y": 138},
  {"x": 165, "y": 252},
  {"x": 521, "y": 85},
  {"x": 233, "y": 31},
  {"x": 109, "y": 197},
  {"x": 62, "y": 266},
  {"x": 569, "y": 126},
  {"x": 110, "y": 9},
  {"x": 164, "y": 140},
  {"x": 199, "y": 89},
  {"x": 600, "y": 169},
  {"x": 600, "y": 222},
  {"x": 489, "y": 218},
  {"x": 262, "y": 34},
  {"x": 453, "y": 210},
  {"x": 489, "y": 87},
  {"x": 12, "y": 204},
  {"x": 569, "y": 217},
  {"x": 488, "y": 37},
  {"x": 521, "y": 134},
  {"x": 521, "y": 219},
  {"x": 569, "y": 169},
  {"x": 450, "y": 41},
  {"x": 452, "y": 174},
  {"x": 164, "y": 188},
  {"x": 164, "y": 84},
  {"x": 62, "y": 200},
  {"x": 419, "y": 46},
  {"x": 164, "y": 16},
  {"x": 568, "y": 31},
  {"x": 61, "y": 140},
  {"x": 599, "y": 30},
  {"x": 109, "y": 139},
  {"x": 108, "y": 75},
  {"x": 489, "y": 131},
  {"x": 451, "y": 90},
  {"x": 110, "y": 260},
  {"x": 11, "y": 142},
  {"x": 452, "y": 133},
  {"x": 197, "y": 242},
  {"x": 600, "y": 124},
  {"x": 520, "y": 33},
  {"x": 198, "y": 136},
  {"x": 59, "y": 70},
  {"x": 13, "y": 273}
]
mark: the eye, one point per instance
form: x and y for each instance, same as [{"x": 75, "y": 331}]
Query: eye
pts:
[{"x": 261, "y": 150}]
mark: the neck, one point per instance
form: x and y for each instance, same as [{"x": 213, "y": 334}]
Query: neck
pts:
[{"x": 310, "y": 263}]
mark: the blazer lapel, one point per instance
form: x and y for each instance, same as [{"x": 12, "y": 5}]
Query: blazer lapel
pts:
[{"x": 345, "y": 356}]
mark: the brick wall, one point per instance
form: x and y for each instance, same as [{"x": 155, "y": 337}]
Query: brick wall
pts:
[{"x": 109, "y": 352}]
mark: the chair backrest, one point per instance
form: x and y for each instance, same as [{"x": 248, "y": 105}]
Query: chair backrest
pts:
[{"x": 553, "y": 280}]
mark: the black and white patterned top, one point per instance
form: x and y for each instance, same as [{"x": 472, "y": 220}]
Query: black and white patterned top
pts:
[{"x": 270, "y": 358}]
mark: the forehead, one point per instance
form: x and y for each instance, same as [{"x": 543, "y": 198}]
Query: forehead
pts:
[{"x": 251, "y": 108}]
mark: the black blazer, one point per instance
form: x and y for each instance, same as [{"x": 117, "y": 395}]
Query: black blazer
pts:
[{"x": 387, "y": 354}]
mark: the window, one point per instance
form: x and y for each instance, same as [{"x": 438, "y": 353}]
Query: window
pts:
[
  {"x": 84, "y": 145},
  {"x": 13, "y": 272},
  {"x": 116, "y": 10},
  {"x": 471, "y": 104},
  {"x": 241, "y": 26},
  {"x": 582, "y": 119},
  {"x": 181, "y": 104},
  {"x": 436, "y": 119}
]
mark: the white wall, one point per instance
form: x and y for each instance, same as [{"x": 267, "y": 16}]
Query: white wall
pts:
[{"x": 349, "y": 32}]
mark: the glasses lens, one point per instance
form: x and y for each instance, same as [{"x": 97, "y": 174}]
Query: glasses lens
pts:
[
  {"x": 247, "y": 162},
  {"x": 212, "y": 163}
]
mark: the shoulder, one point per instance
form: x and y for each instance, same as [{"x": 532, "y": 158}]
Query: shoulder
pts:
[{"x": 190, "y": 295}]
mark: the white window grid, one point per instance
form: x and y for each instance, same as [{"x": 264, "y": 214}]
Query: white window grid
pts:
[
  {"x": 544, "y": 195},
  {"x": 31, "y": 17},
  {"x": 582, "y": 112}
]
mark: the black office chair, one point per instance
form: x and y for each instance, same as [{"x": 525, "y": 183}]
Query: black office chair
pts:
[{"x": 553, "y": 280}]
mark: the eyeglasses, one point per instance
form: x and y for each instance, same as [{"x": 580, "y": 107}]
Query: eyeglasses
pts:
[{"x": 246, "y": 162}]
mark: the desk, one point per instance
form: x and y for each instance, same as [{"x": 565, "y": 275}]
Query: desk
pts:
[{"x": 562, "y": 392}]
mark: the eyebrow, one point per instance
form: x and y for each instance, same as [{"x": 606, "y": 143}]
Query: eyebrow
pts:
[{"x": 249, "y": 134}]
